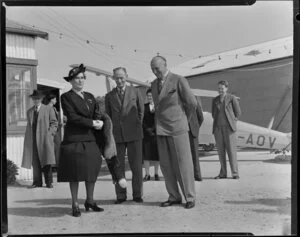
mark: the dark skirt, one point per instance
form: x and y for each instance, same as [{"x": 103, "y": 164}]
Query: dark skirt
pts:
[
  {"x": 150, "y": 151},
  {"x": 79, "y": 161}
]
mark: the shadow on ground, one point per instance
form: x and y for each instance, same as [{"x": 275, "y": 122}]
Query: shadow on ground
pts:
[
  {"x": 47, "y": 207},
  {"x": 277, "y": 161},
  {"x": 282, "y": 205}
]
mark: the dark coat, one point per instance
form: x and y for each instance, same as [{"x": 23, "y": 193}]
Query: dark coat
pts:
[
  {"x": 104, "y": 137},
  {"x": 232, "y": 110},
  {"x": 127, "y": 118},
  {"x": 46, "y": 129},
  {"x": 148, "y": 123},
  {"x": 80, "y": 114},
  {"x": 196, "y": 120}
]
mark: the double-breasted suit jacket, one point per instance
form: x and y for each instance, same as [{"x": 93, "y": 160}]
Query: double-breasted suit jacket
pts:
[
  {"x": 174, "y": 105},
  {"x": 127, "y": 117},
  {"x": 45, "y": 131},
  {"x": 232, "y": 110}
]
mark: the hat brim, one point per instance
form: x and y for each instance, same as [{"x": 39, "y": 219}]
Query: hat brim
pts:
[{"x": 67, "y": 79}]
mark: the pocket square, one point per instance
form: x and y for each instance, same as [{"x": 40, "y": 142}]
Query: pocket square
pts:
[{"x": 172, "y": 91}]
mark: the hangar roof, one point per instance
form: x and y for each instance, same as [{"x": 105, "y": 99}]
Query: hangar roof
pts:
[{"x": 257, "y": 53}]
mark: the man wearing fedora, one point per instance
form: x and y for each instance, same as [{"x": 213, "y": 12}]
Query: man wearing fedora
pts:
[{"x": 38, "y": 151}]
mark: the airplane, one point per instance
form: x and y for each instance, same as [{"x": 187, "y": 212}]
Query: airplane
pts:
[{"x": 248, "y": 135}]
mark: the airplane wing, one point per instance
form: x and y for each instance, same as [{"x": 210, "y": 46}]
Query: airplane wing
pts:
[
  {"x": 99, "y": 72},
  {"x": 205, "y": 93}
]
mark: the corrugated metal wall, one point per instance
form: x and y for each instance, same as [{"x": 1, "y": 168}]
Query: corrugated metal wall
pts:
[
  {"x": 15, "y": 152},
  {"x": 20, "y": 46}
]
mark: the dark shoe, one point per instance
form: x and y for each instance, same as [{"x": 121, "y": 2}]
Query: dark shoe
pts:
[
  {"x": 146, "y": 178},
  {"x": 49, "y": 186},
  {"x": 35, "y": 186},
  {"x": 118, "y": 201},
  {"x": 93, "y": 206},
  {"x": 198, "y": 179},
  {"x": 156, "y": 177},
  {"x": 76, "y": 211},
  {"x": 189, "y": 205},
  {"x": 138, "y": 200},
  {"x": 170, "y": 203},
  {"x": 220, "y": 177},
  {"x": 236, "y": 177}
]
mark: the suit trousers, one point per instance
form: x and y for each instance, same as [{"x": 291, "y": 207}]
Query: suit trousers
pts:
[
  {"x": 195, "y": 155},
  {"x": 177, "y": 166},
  {"x": 226, "y": 143},
  {"x": 37, "y": 169},
  {"x": 135, "y": 158}
]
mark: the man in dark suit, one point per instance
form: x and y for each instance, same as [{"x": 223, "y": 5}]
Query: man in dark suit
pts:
[
  {"x": 194, "y": 125},
  {"x": 125, "y": 106},
  {"x": 174, "y": 106},
  {"x": 225, "y": 112}
]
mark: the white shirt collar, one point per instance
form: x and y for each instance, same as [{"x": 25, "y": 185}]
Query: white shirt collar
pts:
[
  {"x": 165, "y": 75},
  {"x": 80, "y": 93},
  {"x": 123, "y": 88},
  {"x": 38, "y": 107}
]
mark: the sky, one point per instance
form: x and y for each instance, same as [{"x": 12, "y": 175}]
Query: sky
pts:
[{"x": 108, "y": 37}]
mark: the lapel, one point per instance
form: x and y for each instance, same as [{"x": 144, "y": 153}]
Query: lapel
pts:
[
  {"x": 30, "y": 114},
  {"x": 41, "y": 112},
  {"x": 226, "y": 100},
  {"x": 155, "y": 91},
  {"x": 79, "y": 102},
  {"x": 126, "y": 98},
  {"x": 165, "y": 87},
  {"x": 217, "y": 102},
  {"x": 117, "y": 98}
]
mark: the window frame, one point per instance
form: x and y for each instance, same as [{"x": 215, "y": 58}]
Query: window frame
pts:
[{"x": 17, "y": 63}]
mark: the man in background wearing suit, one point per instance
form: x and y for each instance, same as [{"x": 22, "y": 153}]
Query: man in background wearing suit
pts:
[
  {"x": 194, "y": 125},
  {"x": 174, "y": 105},
  {"x": 39, "y": 141},
  {"x": 125, "y": 107},
  {"x": 226, "y": 111}
]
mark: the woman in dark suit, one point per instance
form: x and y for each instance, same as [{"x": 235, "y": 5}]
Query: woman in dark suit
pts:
[
  {"x": 150, "y": 152},
  {"x": 80, "y": 157}
]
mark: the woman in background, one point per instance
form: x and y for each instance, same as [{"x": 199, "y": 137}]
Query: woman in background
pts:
[{"x": 150, "y": 152}]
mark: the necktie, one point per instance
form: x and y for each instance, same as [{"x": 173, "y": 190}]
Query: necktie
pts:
[
  {"x": 159, "y": 85},
  {"x": 121, "y": 93}
]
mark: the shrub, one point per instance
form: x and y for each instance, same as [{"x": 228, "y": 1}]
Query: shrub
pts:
[{"x": 12, "y": 171}]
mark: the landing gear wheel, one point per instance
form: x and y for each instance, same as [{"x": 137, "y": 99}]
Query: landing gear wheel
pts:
[{"x": 208, "y": 147}]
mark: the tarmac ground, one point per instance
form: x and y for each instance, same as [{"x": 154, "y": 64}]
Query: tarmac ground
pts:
[{"x": 259, "y": 203}]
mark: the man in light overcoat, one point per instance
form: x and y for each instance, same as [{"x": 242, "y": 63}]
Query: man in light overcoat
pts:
[
  {"x": 125, "y": 107},
  {"x": 38, "y": 151},
  {"x": 174, "y": 106},
  {"x": 225, "y": 112}
]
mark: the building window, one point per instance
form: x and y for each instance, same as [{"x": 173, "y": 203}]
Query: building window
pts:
[{"x": 20, "y": 84}]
